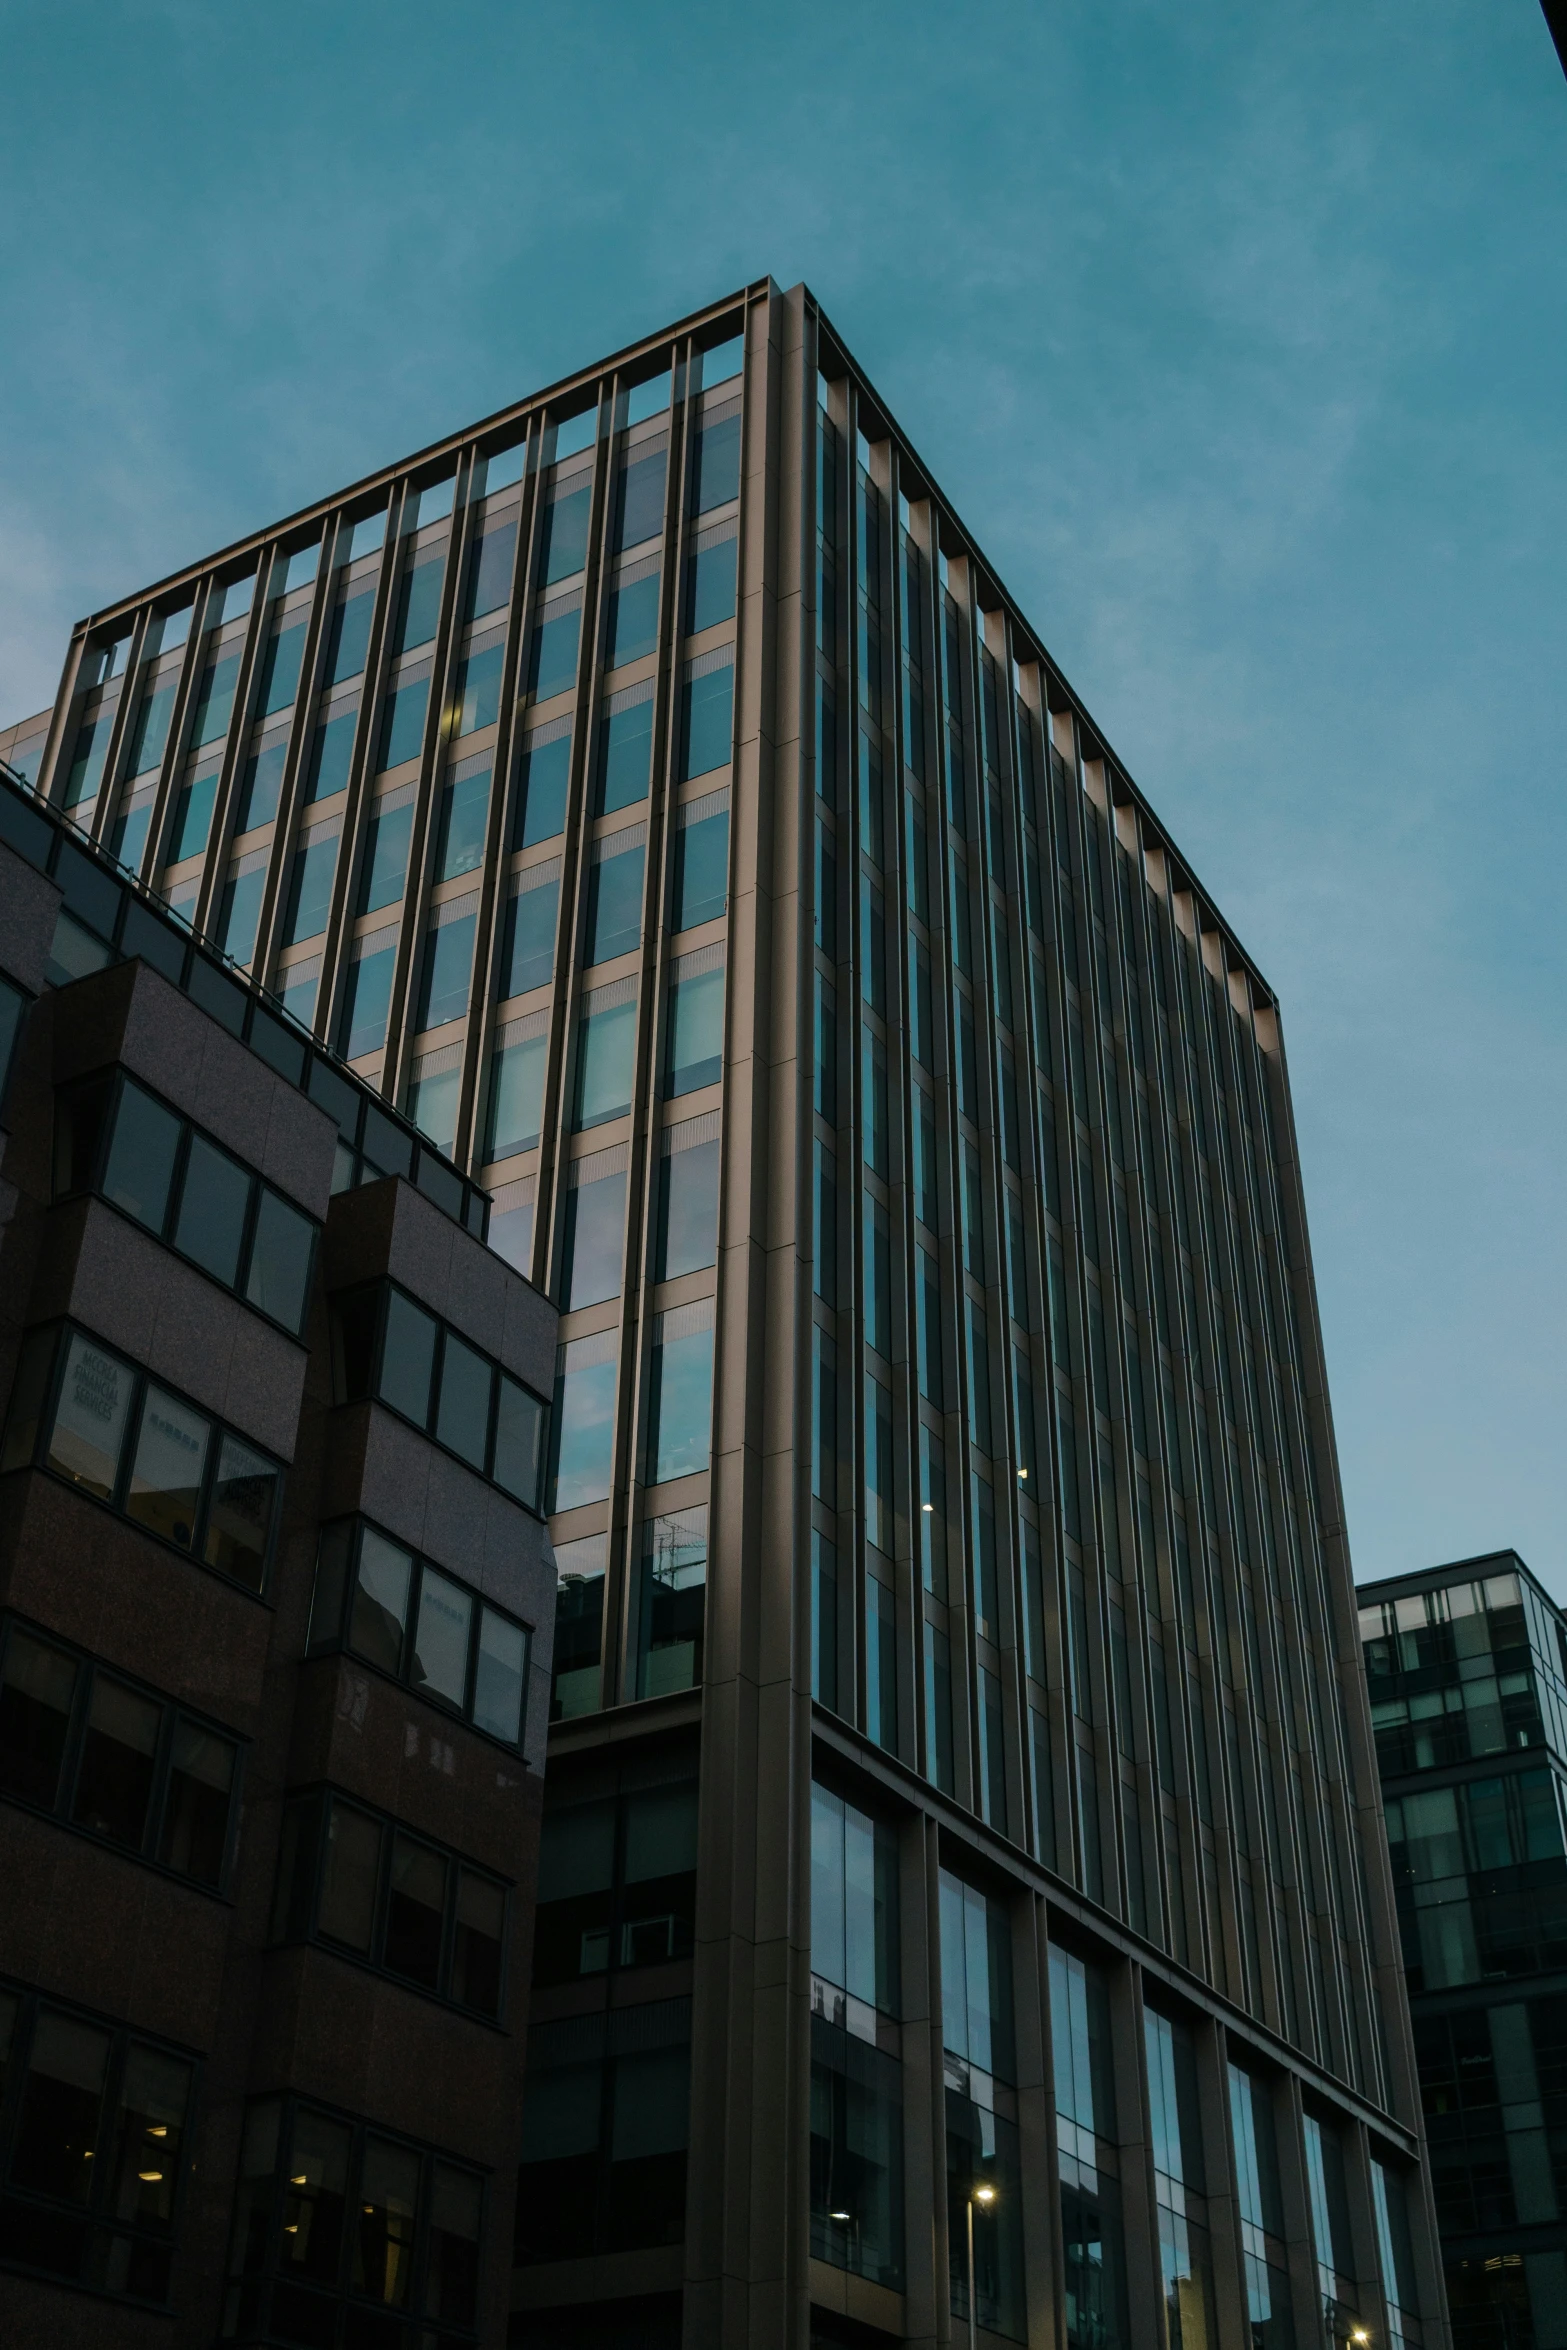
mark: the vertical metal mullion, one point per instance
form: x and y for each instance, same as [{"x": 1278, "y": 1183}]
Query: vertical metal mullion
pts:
[
  {"x": 406, "y": 969},
  {"x": 207, "y": 895},
  {"x": 566, "y": 995},
  {"x": 119, "y": 732},
  {"x": 494, "y": 877},
  {"x": 300, "y": 733}
]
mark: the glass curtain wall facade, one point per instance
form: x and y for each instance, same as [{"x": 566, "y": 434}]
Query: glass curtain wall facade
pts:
[
  {"x": 656, "y": 794},
  {"x": 1467, "y": 1670}
]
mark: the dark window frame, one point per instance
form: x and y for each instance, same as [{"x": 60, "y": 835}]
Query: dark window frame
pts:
[
  {"x": 301, "y": 1923},
  {"x": 36, "y": 1461},
  {"x": 24, "y": 1004},
  {"x": 346, "y": 1391},
  {"x": 235, "y": 2324},
  {"x": 114, "y": 1082},
  {"x": 337, "y": 1642},
  {"x": 91, "y": 2215},
  {"x": 174, "y": 1711},
  {"x": 621, "y": 1894}
]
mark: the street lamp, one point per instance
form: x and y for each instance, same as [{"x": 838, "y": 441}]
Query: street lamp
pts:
[{"x": 984, "y": 2196}]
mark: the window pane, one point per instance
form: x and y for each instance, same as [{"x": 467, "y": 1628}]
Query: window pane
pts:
[
  {"x": 37, "y": 1685},
  {"x": 672, "y": 1604},
  {"x": 408, "y": 1358},
  {"x": 594, "y": 1240},
  {"x": 615, "y": 905},
  {"x": 280, "y": 1260},
  {"x": 348, "y": 1885},
  {"x": 151, "y": 730},
  {"x": 564, "y": 535},
  {"x": 451, "y": 2289},
  {"x": 856, "y": 2156},
  {"x": 350, "y": 637},
  {"x": 148, "y": 2137},
  {"x": 712, "y": 585},
  {"x": 575, "y": 1677},
  {"x": 702, "y": 871},
  {"x": 383, "y": 2232},
  {"x": 552, "y": 664},
  {"x": 141, "y": 1157},
  {"x": 239, "y": 1520},
  {"x": 240, "y": 914},
  {"x": 499, "y": 1681},
  {"x": 448, "y": 962},
  {"x": 440, "y": 1664},
  {"x": 79, "y": 1120},
  {"x": 91, "y": 1418},
  {"x": 476, "y": 1955},
  {"x": 489, "y": 570},
  {"x": 464, "y": 806},
  {"x": 402, "y": 725},
  {"x": 479, "y": 690},
  {"x": 528, "y": 951},
  {"x": 544, "y": 772},
  {"x": 583, "y": 1423},
  {"x": 696, "y": 1032},
  {"x": 214, "y": 1199},
  {"x": 193, "y": 816},
  {"x": 310, "y": 895},
  {"x": 681, "y": 1412},
  {"x": 661, "y": 1825},
  {"x": 633, "y": 619},
  {"x": 687, "y": 1210},
  {"x": 707, "y": 722},
  {"x": 386, "y": 853},
  {"x": 419, "y": 606},
  {"x": 416, "y": 1912},
  {"x": 463, "y": 1414},
  {"x": 517, "y": 1095},
  {"x": 263, "y": 785},
  {"x": 606, "y": 1052},
  {"x": 215, "y": 699},
  {"x": 62, "y": 2099},
  {"x": 331, "y": 754},
  {"x": 718, "y": 464},
  {"x": 519, "y": 1432},
  {"x": 314, "y": 2208},
  {"x": 196, "y": 1808},
  {"x": 625, "y": 750},
  {"x": 639, "y": 501},
  {"x": 280, "y": 670},
  {"x": 379, "y": 1615},
  {"x": 114, "y": 1778},
  {"x": 367, "y": 1002},
  {"x": 171, "y": 1460}
]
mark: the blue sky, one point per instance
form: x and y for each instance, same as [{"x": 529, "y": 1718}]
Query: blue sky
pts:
[{"x": 1237, "y": 336}]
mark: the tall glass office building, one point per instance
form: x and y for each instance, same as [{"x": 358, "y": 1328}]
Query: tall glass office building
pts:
[
  {"x": 1467, "y": 1666},
  {"x": 962, "y": 1821}
]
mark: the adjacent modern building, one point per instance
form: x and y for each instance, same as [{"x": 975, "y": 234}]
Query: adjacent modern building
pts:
[
  {"x": 275, "y": 1610},
  {"x": 962, "y": 1824},
  {"x": 1467, "y": 1666}
]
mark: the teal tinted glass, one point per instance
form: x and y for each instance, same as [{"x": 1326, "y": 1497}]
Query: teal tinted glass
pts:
[{"x": 543, "y": 773}]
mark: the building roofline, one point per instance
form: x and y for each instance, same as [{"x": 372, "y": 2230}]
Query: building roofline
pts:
[
  {"x": 1504, "y": 1561},
  {"x": 549, "y": 395},
  {"x": 1052, "y": 666},
  {"x": 448, "y": 444}
]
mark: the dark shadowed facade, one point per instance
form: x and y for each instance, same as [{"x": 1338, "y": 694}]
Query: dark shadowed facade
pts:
[
  {"x": 274, "y": 1664},
  {"x": 961, "y": 1807},
  {"x": 1467, "y": 1668}
]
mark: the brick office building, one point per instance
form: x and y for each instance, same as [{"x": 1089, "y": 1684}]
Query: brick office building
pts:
[{"x": 275, "y": 1610}]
